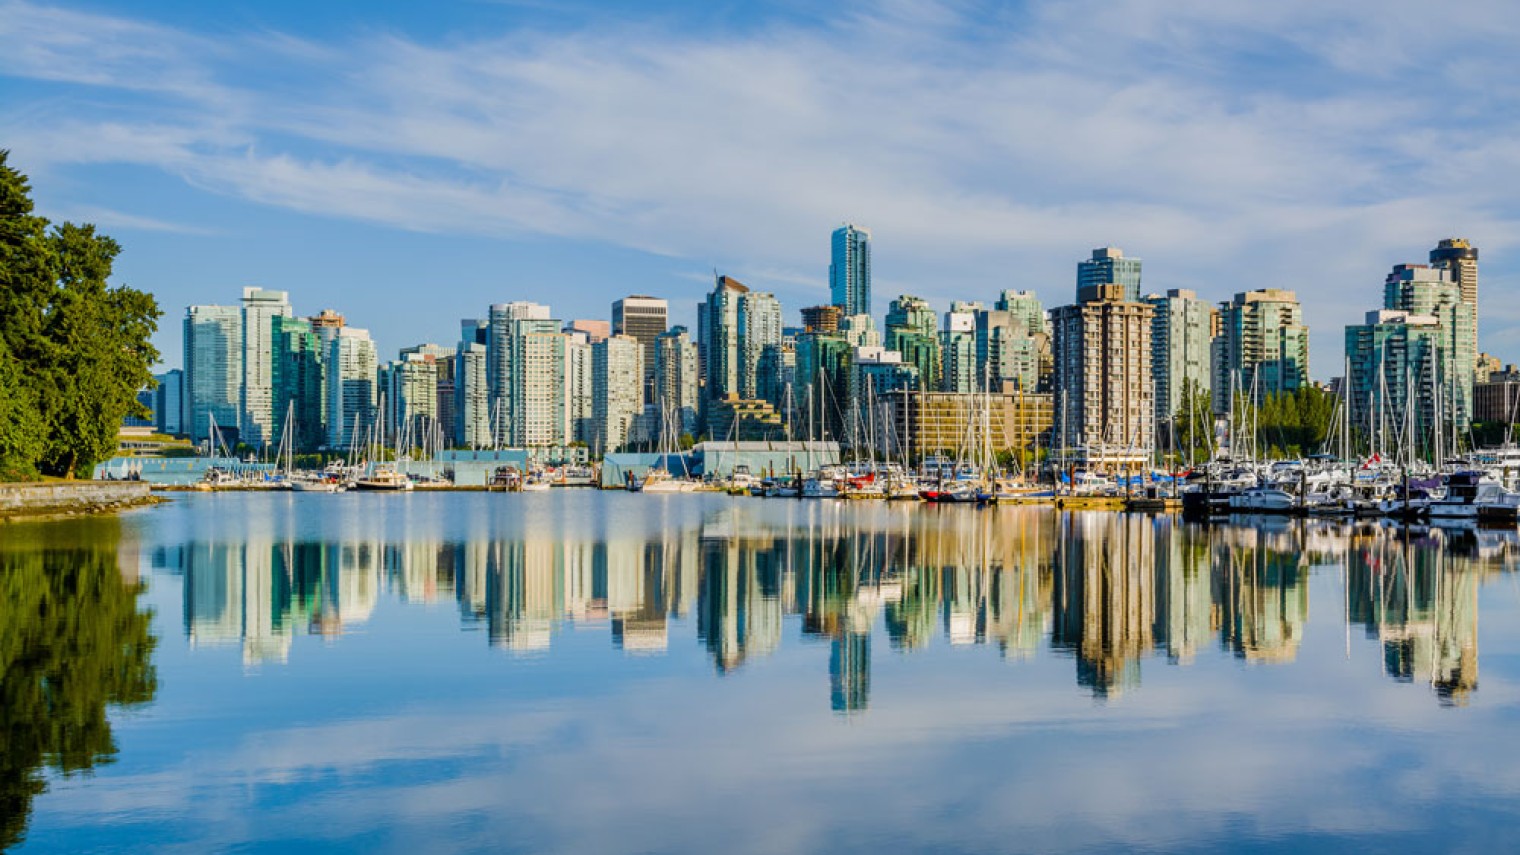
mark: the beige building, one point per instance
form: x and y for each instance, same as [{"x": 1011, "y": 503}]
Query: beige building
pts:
[
  {"x": 947, "y": 422},
  {"x": 1104, "y": 407}
]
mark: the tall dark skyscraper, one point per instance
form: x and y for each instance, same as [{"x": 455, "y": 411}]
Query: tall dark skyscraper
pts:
[{"x": 850, "y": 270}]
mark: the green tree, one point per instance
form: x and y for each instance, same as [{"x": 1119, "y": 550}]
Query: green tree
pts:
[
  {"x": 1193, "y": 424},
  {"x": 72, "y": 643},
  {"x": 80, "y": 348}
]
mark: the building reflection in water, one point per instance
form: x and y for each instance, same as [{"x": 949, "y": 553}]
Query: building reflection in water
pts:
[
  {"x": 1417, "y": 594},
  {"x": 1109, "y": 590}
]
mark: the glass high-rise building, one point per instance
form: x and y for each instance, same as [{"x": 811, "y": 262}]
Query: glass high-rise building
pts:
[
  {"x": 351, "y": 373},
  {"x": 296, "y": 396},
  {"x": 260, "y": 308},
  {"x": 1263, "y": 346},
  {"x": 213, "y": 371},
  {"x": 850, "y": 270},
  {"x": 617, "y": 399},
  {"x": 1108, "y": 266},
  {"x": 1180, "y": 349}
]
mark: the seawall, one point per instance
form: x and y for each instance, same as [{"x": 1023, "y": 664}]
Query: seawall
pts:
[{"x": 70, "y": 497}]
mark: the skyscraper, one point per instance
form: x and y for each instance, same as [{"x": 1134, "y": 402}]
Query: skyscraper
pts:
[
  {"x": 1263, "y": 347},
  {"x": 213, "y": 371},
  {"x": 500, "y": 354},
  {"x": 296, "y": 396},
  {"x": 260, "y": 308},
  {"x": 676, "y": 380},
  {"x": 850, "y": 270},
  {"x": 642, "y": 318},
  {"x": 734, "y": 326},
  {"x": 350, "y": 388},
  {"x": 912, "y": 332},
  {"x": 617, "y": 372},
  {"x": 1180, "y": 349},
  {"x": 1108, "y": 266},
  {"x": 1104, "y": 407},
  {"x": 580, "y": 385},
  {"x": 1414, "y": 358}
]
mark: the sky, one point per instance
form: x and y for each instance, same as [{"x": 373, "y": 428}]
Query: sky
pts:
[{"x": 410, "y": 166}]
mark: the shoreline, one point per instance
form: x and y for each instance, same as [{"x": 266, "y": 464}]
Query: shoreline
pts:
[{"x": 34, "y": 500}]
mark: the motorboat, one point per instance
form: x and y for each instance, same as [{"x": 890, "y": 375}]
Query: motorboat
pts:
[
  {"x": 1466, "y": 491},
  {"x": 384, "y": 478},
  {"x": 1263, "y": 499}
]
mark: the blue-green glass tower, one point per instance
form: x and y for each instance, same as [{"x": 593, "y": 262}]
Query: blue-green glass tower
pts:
[
  {"x": 1108, "y": 266},
  {"x": 850, "y": 270}
]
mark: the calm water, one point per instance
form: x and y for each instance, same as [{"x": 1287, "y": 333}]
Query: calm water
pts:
[{"x": 587, "y": 672}]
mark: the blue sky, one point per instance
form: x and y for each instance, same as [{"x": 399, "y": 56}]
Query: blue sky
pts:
[{"x": 410, "y": 166}]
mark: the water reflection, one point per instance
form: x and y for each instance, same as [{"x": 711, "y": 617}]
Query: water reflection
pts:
[
  {"x": 1110, "y": 591},
  {"x": 73, "y": 642}
]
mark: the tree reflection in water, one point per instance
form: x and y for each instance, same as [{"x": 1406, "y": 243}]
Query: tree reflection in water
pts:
[{"x": 72, "y": 642}]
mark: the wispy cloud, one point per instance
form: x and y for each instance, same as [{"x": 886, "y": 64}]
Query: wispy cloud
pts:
[{"x": 1232, "y": 145}]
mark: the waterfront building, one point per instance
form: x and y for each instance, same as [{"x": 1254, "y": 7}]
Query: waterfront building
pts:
[
  {"x": 850, "y": 270},
  {"x": 213, "y": 341},
  {"x": 472, "y": 420},
  {"x": 823, "y": 373},
  {"x": 958, "y": 353},
  {"x": 540, "y": 416},
  {"x": 875, "y": 373},
  {"x": 1410, "y": 364},
  {"x": 169, "y": 402},
  {"x": 1496, "y": 400},
  {"x": 734, "y": 326},
  {"x": 759, "y": 328},
  {"x": 676, "y": 381},
  {"x": 1104, "y": 405},
  {"x": 821, "y": 319},
  {"x": 1007, "y": 352},
  {"x": 1108, "y": 266},
  {"x": 260, "y": 308},
  {"x": 1432, "y": 291},
  {"x": 296, "y": 391},
  {"x": 1180, "y": 349},
  {"x": 580, "y": 387},
  {"x": 928, "y": 422},
  {"x": 912, "y": 330},
  {"x": 736, "y": 419},
  {"x": 777, "y": 377},
  {"x": 442, "y": 360},
  {"x": 351, "y": 378},
  {"x": 503, "y": 324},
  {"x": 325, "y": 324},
  {"x": 617, "y": 397},
  {"x": 643, "y": 318},
  {"x": 408, "y": 390},
  {"x": 1263, "y": 346}
]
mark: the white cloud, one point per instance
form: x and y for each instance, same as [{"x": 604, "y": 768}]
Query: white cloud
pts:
[{"x": 1232, "y": 145}]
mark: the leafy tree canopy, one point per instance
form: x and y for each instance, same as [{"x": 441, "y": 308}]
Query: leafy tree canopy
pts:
[{"x": 74, "y": 350}]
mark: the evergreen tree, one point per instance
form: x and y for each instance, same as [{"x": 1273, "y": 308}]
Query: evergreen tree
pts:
[{"x": 73, "y": 350}]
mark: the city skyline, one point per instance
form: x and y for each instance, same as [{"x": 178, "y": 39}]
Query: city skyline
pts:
[{"x": 189, "y": 142}]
